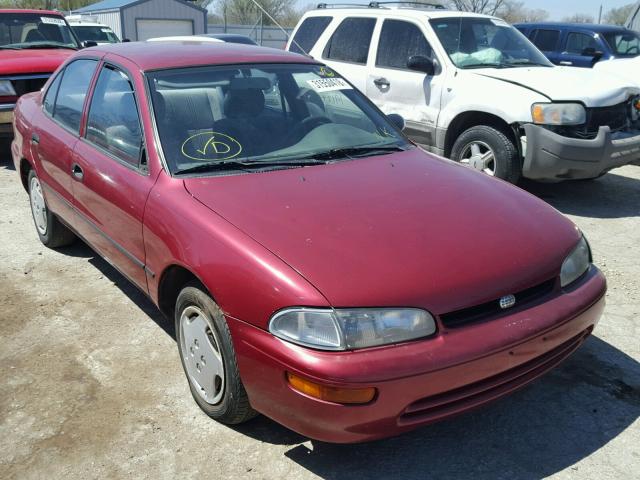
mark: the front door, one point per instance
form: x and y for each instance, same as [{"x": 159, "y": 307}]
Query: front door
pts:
[
  {"x": 113, "y": 184},
  {"x": 396, "y": 89},
  {"x": 576, "y": 46}
]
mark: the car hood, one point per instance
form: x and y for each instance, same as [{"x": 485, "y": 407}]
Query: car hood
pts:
[
  {"x": 626, "y": 68},
  {"x": 591, "y": 87},
  {"x": 20, "y": 62},
  {"x": 404, "y": 229}
]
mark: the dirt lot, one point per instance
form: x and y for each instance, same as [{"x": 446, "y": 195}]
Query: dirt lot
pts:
[{"x": 92, "y": 385}]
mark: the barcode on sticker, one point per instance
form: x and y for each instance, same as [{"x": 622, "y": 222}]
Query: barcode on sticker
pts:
[
  {"x": 52, "y": 20},
  {"x": 328, "y": 84}
]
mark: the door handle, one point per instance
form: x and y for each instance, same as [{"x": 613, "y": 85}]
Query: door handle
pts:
[
  {"x": 381, "y": 82},
  {"x": 35, "y": 138},
  {"x": 565, "y": 62},
  {"x": 77, "y": 172}
]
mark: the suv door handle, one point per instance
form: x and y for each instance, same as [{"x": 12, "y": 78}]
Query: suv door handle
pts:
[
  {"x": 35, "y": 138},
  {"x": 565, "y": 62},
  {"x": 76, "y": 171},
  {"x": 381, "y": 82}
]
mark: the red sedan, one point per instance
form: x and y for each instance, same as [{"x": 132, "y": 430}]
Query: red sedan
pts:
[{"x": 320, "y": 268}]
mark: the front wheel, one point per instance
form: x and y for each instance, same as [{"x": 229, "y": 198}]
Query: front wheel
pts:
[
  {"x": 208, "y": 357},
  {"x": 490, "y": 151}
]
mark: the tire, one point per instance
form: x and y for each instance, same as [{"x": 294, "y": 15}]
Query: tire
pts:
[
  {"x": 222, "y": 396},
  {"x": 506, "y": 164},
  {"x": 51, "y": 231}
]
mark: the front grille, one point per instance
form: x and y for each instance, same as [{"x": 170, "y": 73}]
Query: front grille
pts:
[
  {"x": 490, "y": 310},
  {"x": 461, "y": 399},
  {"x": 29, "y": 84},
  {"x": 616, "y": 117}
]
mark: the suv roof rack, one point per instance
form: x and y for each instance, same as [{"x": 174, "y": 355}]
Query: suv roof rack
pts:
[{"x": 375, "y": 4}]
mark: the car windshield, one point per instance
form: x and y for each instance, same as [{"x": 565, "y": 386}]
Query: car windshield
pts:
[
  {"x": 623, "y": 44},
  {"x": 264, "y": 116},
  {"x": 34, "y": 30},
  {"x": 95, "y": 33},
  {"x": 481, "y": 42}
]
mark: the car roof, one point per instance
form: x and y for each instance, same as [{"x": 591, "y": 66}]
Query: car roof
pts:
[
  {"x": 599, "y": 28},
  {"x": 23, "y": 10},
  {"x": 428, "y": 13},
  {"x": 177, "y": 54}
]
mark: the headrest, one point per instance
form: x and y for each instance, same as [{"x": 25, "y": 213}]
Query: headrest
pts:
[{"x": 243, "y": 103}]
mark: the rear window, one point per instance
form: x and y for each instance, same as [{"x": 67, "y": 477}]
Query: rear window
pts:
[
  {"x": 350, "y": 42},
  {"x": 308, "y": 34},
  {"x": 546, "y": 40}
]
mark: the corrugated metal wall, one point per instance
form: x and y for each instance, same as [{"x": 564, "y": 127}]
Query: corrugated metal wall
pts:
[
  {"x": 110, "y": 19},
  {"x": 270, "y": 36},
  {"x": 161, "y": 10}
]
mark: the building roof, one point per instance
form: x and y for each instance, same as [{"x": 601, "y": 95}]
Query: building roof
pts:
[
  {"x": 179, "y": 54},
  {"x": 118, "y": 4}
]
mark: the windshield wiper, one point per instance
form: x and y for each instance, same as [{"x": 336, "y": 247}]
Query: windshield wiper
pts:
[
  {"x": 47, "y": 45},
  {"x": 9, "y": 47},
  {"x": 350, "y": 152},
  {"x": 249, "y": 165},
  {"x": 485, "y": 65},
  {"x": 528, "y": 63}
]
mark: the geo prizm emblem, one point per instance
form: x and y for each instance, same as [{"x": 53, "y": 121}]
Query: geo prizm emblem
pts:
[{"x": 507, "y": 301}]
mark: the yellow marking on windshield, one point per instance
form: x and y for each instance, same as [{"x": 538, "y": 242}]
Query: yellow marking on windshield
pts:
[{"x": 211, "y": 146}]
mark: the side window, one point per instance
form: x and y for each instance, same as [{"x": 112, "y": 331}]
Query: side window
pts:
[
  {"x": 50, "y": 97},
  {"x": 546, "y": 40},
  {"x": 398, "y": 41},
  {"x": 577, "y": 42},
  {"x": 72, "y": 92},
  {"x": 350, "y": 42},
  {"x": 308, "y": 34},
  {"x": 113, "y": 122}
]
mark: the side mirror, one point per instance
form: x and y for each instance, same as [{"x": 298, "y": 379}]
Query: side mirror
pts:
[
  {"x": 125, "y": 40},
  {"x": 421, "y": 63},
  {"x": 397, "y": 120},
  {"x": 592, "y": 52},
  {"x": 89, "y": 43}
]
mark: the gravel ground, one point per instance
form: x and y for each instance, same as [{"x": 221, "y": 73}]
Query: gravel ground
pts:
[{"x": 92, "y": 385}]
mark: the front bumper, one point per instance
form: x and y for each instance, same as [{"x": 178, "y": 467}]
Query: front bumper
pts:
[
  {"x": 6, "y": 120},
  {"x": 417, "y": 382},
  {"x": 552, "y": 157}
]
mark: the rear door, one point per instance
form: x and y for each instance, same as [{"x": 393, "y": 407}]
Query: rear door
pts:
[
  {"x": 55, "y": 133},
  {"x": 111, "y": 189},
  {"x": 396, "y": 89},
  {"x": 347, "y": 50}
]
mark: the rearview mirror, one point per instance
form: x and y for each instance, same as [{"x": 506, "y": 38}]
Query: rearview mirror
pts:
[
  {"x": 421, "y": 63},
  {"x": 397, "y": 120}
]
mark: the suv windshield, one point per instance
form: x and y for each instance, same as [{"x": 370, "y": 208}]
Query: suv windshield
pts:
[
  {"x": 623, "y": 44},
  {"x": 34, "y": 30},
  {"x": 95, "y": 33},
  {"x": 480, "y": 42},
  {"x": 264, "y": 116}
]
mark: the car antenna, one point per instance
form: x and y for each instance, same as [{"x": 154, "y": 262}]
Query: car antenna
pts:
[{"x": 279, "y": 26}]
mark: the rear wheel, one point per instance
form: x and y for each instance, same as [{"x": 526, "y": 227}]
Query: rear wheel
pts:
[
  {"x": 208, "y": 357},
  {"x": 490, "y": 151},
  {"x": 51, "y": 231}
]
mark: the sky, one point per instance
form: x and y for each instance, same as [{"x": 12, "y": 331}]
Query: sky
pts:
[{"x": 558, "y": 9}]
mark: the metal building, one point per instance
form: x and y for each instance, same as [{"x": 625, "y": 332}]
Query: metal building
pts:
[{"x": 142, "y": 19}]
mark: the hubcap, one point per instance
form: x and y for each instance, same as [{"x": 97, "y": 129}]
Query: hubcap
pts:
[
  {"x": 479, "y": 155},
  {"x": 38, "y": 207},
  {"x": 202, "y": 354}
]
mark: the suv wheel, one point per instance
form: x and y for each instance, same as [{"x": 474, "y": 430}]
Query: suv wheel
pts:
[{"x": 490, "y": 151}]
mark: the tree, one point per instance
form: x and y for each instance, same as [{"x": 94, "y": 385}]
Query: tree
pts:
[
  {"x": 64, "y": 5},
  {"x": 245, "y": 12},
  {"x": 516, "y": 12},
  {"x": 619, "y": 16},
  {"x": 490, "y": 7},
  {"x": 579, "y": 18}
]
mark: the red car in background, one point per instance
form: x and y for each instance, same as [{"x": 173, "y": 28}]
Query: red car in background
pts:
[
  {"x": 33, "y": 44},
  {"x": 320, "y": 268}
]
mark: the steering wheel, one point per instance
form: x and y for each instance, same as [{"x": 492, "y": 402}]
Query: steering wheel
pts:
[
  {"x": 633, "y": 47},
  {"x": 304, "y": 127}
]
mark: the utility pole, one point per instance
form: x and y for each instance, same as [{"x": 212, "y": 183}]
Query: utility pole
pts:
[{"x": 600, "y": 15}]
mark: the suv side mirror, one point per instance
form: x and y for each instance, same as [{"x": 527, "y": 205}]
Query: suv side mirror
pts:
[
  {"x": 89, "y": 43},
  {"x": 397, "y": 120},
  {"x": 592, "y": 52},
  {"x": 421, "y": 63}
]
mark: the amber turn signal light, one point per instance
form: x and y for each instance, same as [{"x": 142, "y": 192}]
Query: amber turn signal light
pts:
[{"x": 331, "y": 394}]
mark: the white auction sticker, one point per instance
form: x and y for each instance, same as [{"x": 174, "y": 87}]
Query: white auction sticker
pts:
[
  {"x": 328, "y": 84},
  {"x": 499, "y": 22},
  {"x": 52, "y": 20},
  {"x": 105, "y": 30}
]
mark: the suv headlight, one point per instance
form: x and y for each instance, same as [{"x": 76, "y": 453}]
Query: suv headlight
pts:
[
  {"x": 351, "y": 328},
  {"x": 576, "y": 263},
  {"x": 558, "y": 114},
  {"x": 6, "y": 89}
]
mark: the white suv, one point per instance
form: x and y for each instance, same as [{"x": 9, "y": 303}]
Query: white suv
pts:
[{"x": 472, "y": 88}]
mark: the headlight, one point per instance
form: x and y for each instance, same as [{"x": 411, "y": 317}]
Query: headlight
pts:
[
  {"x": 6, "y": 89},
  {"x": 558, "y": 114},
  {"x": 346, "y": 329},
  {"x": 576, "y": 263}
]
